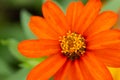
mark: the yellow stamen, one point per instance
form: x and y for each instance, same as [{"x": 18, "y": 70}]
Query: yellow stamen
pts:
[{"x": 72, "y": 45}]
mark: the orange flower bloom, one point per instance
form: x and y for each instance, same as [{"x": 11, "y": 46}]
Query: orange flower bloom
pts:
[{"x": 79, "y": 44}]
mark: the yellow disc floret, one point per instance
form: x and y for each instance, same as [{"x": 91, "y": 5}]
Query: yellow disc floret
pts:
[{"x": 73, "y": 45}]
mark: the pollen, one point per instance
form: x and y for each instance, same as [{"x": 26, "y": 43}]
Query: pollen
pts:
[{"x": 73, "y": 45}]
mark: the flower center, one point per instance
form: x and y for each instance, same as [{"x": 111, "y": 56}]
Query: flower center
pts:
[{"x": 73, "y": 45}]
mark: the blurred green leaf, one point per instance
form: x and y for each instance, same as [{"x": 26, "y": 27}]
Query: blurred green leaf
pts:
[
  {"x": 25, "y": 17},
  {"x": 12, "y": 46},
  {"x": 30, "y": 63},
  {"x": 5, "y": 53},
  {"x": 51, "y": 78},
  {"x": 113, "y": 5},
  {"x": 10, "y": 30},
  {"x": 21, "y": 2},
  {"x": 4, "y": 70},
  {"x": 20, "y": 75},
  {"x": 84, "y": 1}
]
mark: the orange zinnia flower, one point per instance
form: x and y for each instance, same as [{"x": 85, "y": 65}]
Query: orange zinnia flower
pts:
[{"x": 79, "y": 45}]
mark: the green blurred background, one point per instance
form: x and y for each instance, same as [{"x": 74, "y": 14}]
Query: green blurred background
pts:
[{"x": 14, "y": 18}]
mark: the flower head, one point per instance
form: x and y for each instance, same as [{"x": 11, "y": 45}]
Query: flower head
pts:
[
  {"x": 73, "y": 45},
  {"x": 79, "y": 44}
]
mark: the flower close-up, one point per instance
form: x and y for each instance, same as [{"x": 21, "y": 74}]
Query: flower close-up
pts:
[{"x": 79, "y": 44}]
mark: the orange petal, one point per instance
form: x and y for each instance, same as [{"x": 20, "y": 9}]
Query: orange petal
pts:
[
  {"x": 103, "y": 22},
  {"x": 88, "y": 15},
  {"x": 75, "y": 71},
  {"x": 86, "y": 74},
  {"x": 104, "y": 38},
  {"x": 47, "y": 68},
  {"x": 97, "y": 70},
  {"x": 113, "y": 45},
  {"x": 73, "y": 12},
  {"x": 38, "y": 48},
  {"x": 41, "y": 29},
  {"x": 62, "y": 74},
  {"x": 55, "y": 17},
  {"x": 110, "y": 57}
]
